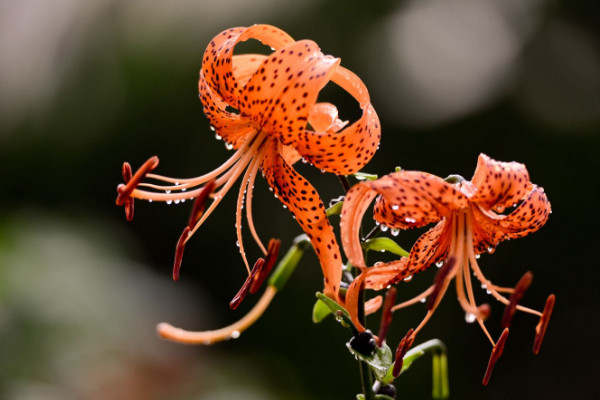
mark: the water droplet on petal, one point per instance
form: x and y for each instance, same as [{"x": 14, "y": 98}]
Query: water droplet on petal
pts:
[
  {"x": 410, "y": 220},
  {"x": 477, "y": 256},
  {"x": 439, "y": 264},
  {"x": 408, "y": 278},
  {"x": 217, "y": 136},
  {"x": 167, "y": 191},
  {"x": 212, "y": 128},
  {"x": 395, "y": 231},
  {"x": 395, "y": 207},
  {"x": 383, "y": 228},
  {"x": 235, "y": 334},
  {"x": 470, "y": 318},
  {"x": 228, "y": 146}
]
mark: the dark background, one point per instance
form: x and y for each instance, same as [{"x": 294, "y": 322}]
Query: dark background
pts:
[{"x": 85, "y": 86}]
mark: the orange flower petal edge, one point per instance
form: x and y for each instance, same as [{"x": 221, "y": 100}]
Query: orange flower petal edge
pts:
[{"x": 261, "y": 106}]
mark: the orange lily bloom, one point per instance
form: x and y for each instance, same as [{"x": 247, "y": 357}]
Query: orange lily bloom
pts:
[
  {"x": 472, "y": 217},
  {"x": 265, "y": 108}
]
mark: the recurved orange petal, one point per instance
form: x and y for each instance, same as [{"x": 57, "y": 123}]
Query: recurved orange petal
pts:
[
  {"x": 282, "y": 92},
  {"x": 355, "y": 205},
  {"x": 302, "y": 200},
  {"x": 499, "y": 184},
  {"x": 348, "y": 150},
  {"x": 217, "y": 66},
  {"x": 491, "y": 228},
  {"x": 430, "y": 248},
  {"x": 411, "y": 199}
]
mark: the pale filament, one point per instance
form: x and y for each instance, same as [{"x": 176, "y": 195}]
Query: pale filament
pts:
[
  {"x": 232, "y": 177},
  {"x": 493, "y": 289},
  {"x": 188, "y": 182},
  {"x": 240, "y": 203},
  {"x": 169, "y": 332},
  {"x": 225, "y": 170},
  {"x": 249, "y": 192},
  {"x": 414, "y": 300}
]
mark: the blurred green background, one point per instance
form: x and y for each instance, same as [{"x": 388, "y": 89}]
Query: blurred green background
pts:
[{"x": 86, "y": 85}]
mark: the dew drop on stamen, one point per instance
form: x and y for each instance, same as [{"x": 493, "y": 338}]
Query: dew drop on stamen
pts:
[
  {"x": 167, "y": 191},
  {"x": 483, "y": 286},
  {"x": 235, "y": 334},
  {"x": 488, "y": 291},
  {"x": 150, "y": 200},
  {"x": 470, "y": 318},
  {"x": 177, "y": 201},
  {"x": 169, "y": 201},
  {"x": 237, "y": 243},
  {"x": 423, "y": 300}
]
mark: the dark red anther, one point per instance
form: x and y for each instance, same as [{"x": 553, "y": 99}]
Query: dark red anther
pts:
[
  {"x": 440, "y": 282},
  {"x": 200, "y": 203},
  {"x": 245, "y": 289},
  {"x": 540, "y": 329},
  {"x": 127, "y": 174},
  {"x": 496, "y": 353},
  {"x": 515, "y": 298},
  {"x": 260, "y": 275},
  {"x": 403, "y": 347},
  {"x": 386, "y": 314},
  {"x": 126, "y": 190},
  {"x": 179, "y": 252}
]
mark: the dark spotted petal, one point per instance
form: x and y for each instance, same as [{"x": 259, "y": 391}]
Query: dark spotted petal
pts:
[
  {"x": 499, "y": 184},
  {"x": 491, "y": 228},
  {"x": 411, "y": 199},
  {"x": 345, "y": 151},
  {"x": 303, "y": 201}
]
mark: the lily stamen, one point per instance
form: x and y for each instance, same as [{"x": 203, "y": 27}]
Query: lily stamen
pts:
[{"x": 233, "y": 331}]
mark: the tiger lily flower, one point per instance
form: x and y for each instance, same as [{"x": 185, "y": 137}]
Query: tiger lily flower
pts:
[
  {"x": 265, "y": 108},
  {"x": 472, "y": 217}
]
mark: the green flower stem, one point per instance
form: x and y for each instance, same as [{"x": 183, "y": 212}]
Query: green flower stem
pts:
[
  {"x": 440, "y": 386},
  {"x": 367, "y": 380}
]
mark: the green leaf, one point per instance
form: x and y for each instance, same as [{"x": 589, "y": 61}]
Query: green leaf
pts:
[
  {"x": 320, "y": 311},
  {"x": 335, "y": 209},
  {"x": 341, "y": 314},
  {"x": 384, "y": 244},
  {"x": 380, "y": 362}
]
